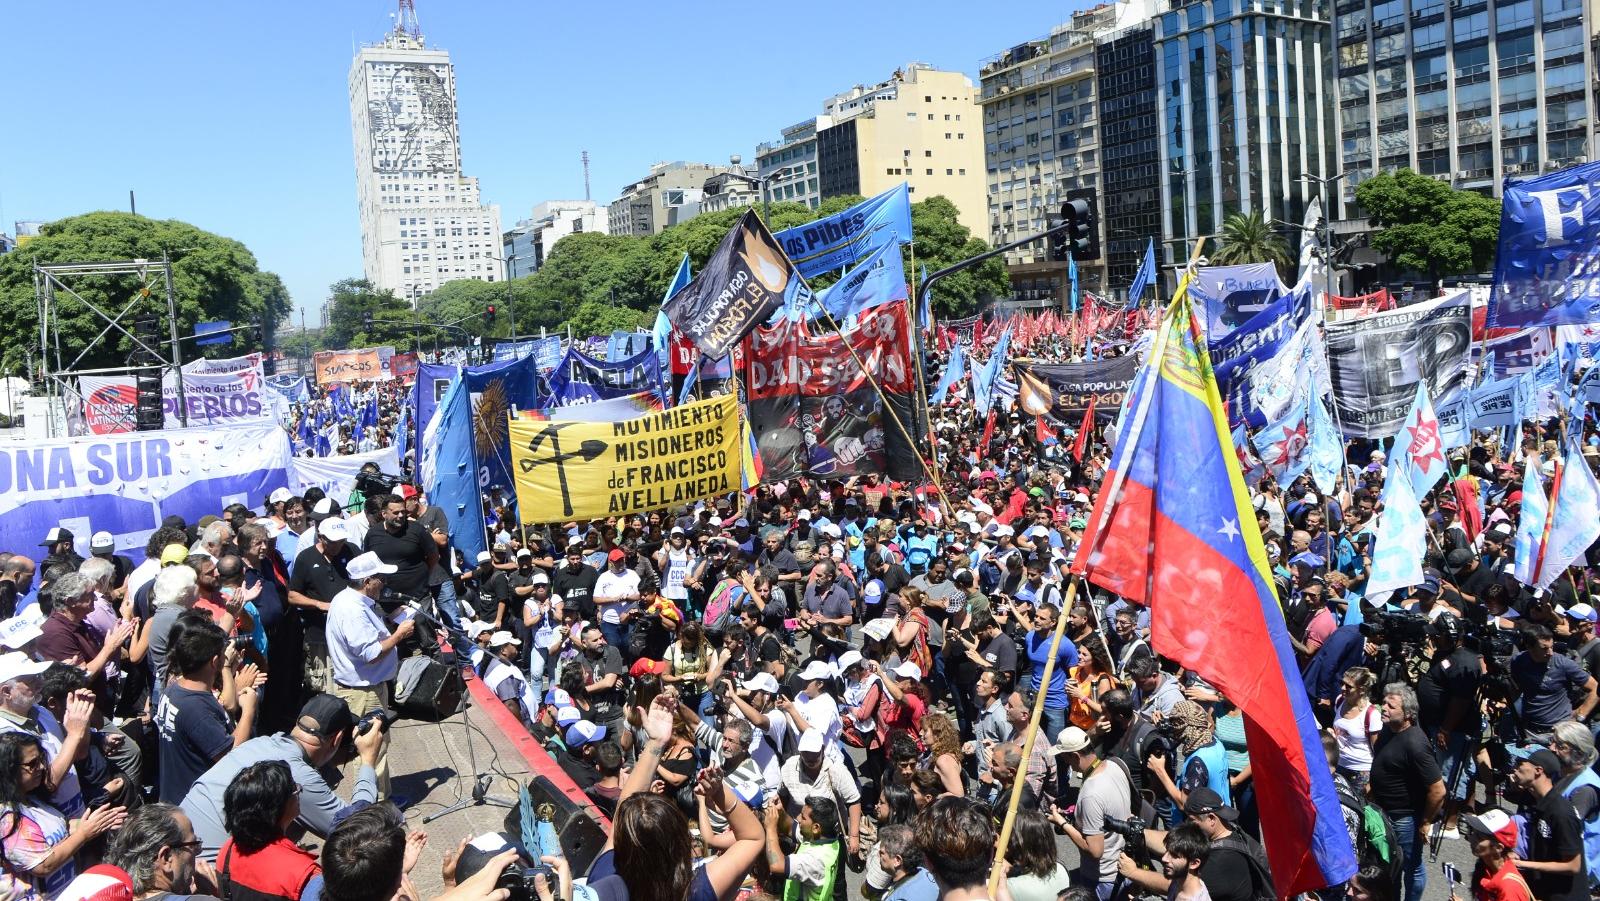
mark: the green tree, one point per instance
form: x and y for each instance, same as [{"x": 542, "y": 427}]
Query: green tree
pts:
[
  {"x": 213, "y": 278},
  {"x": 939, "y": 241},
  {"x": 596, "y": 318},
  {"x": 1427, "y": 226},
  {"x": 351, "y": 300},
  {"x": 1249, "y": 238}
]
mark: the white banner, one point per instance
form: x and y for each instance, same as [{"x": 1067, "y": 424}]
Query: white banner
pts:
[
  {"x": 212, "y": 398},
  {"x": 336, "y": 476},
  {"x": 204, "y": 366},
  {"x": 125, "y": 484}
]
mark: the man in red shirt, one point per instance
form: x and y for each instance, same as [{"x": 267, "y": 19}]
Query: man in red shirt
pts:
[{"x": 1495, "y": 878}]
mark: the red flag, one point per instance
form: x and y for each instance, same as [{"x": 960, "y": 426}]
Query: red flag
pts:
[
  {"x": 1084, "y": 430},
  {"x": 1466, "y": 491},
  {"x": 1041, "y": 431},
  {"x": 988, "y": 432}
]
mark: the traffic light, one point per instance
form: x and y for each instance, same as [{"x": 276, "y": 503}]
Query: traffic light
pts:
[
  {"x": 1080, "y": 226},
  {"x": 488, "y": 317},
  {"x": 1058, "y": 239},
  {"x": 366, "y": 322}
]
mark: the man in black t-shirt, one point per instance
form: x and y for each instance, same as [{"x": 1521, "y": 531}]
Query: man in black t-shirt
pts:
[
  {"x": 319, "y": 574},
  {"x": 1448, "y": 695},
  {"x": 574, "y": 583},
  {"x": 1554, "y": 865},
  {"x": 1405, "y": 781},
  {"x": 605, "y": 679},
  {"x": 405, "y": 546}
]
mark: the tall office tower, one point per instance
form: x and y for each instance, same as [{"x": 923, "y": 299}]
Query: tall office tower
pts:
[
  {"x": 1245, "y": 101},
  {"x": 1467, "y": 91},
  {"x": 422, "y": 222}
]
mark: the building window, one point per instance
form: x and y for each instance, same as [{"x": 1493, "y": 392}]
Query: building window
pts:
[{"x": 930, "y": 171}]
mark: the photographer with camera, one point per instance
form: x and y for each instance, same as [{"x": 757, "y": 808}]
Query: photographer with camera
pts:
[
  {"x": 1105, "y": 798},
  {"x": 1547, "y": 681},
  {"x": 1447, "y": 694},
  {"x": 1235, "y": 866},
  {"x": 361, "y": 647}
]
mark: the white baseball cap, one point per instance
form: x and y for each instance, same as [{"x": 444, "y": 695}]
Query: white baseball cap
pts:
[
  {"x": 761, "y": 682},
  {"x": 475, "y": 628},
  {"x": 17, "y": 665},
  {"x": 16, "y": 632},
  {"x": 811, "y": 741},
  {"x": 1071, "y": 739},
  {"x": 485, "y": 556},
  {"x": 102, "y": 541},
  {"x": 848, "y": 659},
  {"x": 502, "y": 638},
  {"x": 908, "y": 670},
  {"x": 279, "y": 495},
  {"x": 539, "y": 579},
  {"x": 804, "y": 515},
  {"x": 816, "y": 669},
  {"x": 566, "y": 716},
  {"x": 333, "y": 529},
  {"x": 368, "y": 565}
]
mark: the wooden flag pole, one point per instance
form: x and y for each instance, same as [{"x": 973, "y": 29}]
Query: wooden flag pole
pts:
[{"x": 1028, "y": 741}]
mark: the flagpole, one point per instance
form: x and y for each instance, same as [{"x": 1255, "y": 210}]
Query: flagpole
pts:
[
  {"x": 1029, "y": 739},
  {"x": 915, "y": 339}
]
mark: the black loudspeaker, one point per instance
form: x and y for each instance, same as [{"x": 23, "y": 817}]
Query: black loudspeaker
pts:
[
  {"x": 428, "y": 690},
  {"x": 582, "y": 836}
]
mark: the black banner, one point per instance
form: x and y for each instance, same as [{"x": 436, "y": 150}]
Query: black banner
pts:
[
  {"x": 747, "y": 278},
  {"x": 1062, "y": 390},
  {"x": 1376, "y": 361}
]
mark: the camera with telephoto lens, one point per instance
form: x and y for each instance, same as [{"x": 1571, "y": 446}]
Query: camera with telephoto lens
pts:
[{"x": 1130, "y": 828}]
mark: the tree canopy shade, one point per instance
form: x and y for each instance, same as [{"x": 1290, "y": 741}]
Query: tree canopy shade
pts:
[
  {"x": 213, "y": 278},
  {"x": 1425, "y": 225},
  {"x": 1248, "y": 238}
]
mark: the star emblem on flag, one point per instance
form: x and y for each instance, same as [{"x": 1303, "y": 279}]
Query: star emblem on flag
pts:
[
  {"x": 1290, "y": 445},
  {"x": 1230, "y": 529}
]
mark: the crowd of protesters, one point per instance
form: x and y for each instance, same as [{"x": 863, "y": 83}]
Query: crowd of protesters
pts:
[{"x": 764, "y": 693}]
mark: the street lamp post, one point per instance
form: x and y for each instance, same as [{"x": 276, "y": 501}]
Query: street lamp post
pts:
[{"x": 761, "y": 182}]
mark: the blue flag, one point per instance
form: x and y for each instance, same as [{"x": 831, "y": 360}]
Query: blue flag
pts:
[
  {"x": 1530, "y": 524},
  {"x": 1402, "y": 539},
  {"x": 1145, "y": 275},
  {"x": 450, "y": 471},
  {"x": 1573, "y": 525},
  {"x": 925, "y": 311},
  {"x": 1549, "y": 249},
  {"x": 1072, "y": 276},
  {"x": 836, "y": 241},
  {"x": 985, "y": 376},
  {"x": 879, "y": 279},
  {"x": 1327, "y": 447},
  {"x": 661, "y": 333},
  {"x": 689, "y": 381},
  {"x": 953, "y": 372}
]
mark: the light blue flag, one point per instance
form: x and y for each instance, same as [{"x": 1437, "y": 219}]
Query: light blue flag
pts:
[
  {"x": 953, "y": 372},
  {"x": 1402, "y": 540},
  {"x": 1573, "y": 524},
  {"x": 661, "y": 332},
  {"x": 879, "y": 279},
  {"x": 1327, "y": 448},
  {"x": 834, "y": 242},
  {"x": 689, "y": 381},
  {"x": 402, "y": 431},
  {"x": 1282, "y": 445},
  {"x": 1424, "y": 448},
  {"x": 984, "y": 377},
  {"x": 1145, "y": 275},
  {"x": 1072, "y": 276},
  {"x": 1530, "y": 525},
  {"x": 450, "y": 470}
]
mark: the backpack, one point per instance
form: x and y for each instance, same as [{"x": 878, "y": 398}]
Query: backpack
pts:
[
  {"x": 1261, "y": 888},
  {"x": 1375, "y": 838}
]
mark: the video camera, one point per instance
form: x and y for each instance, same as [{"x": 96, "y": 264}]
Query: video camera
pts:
[
  {"x": 371, "y": 481},
  {"x": 1399, "y": 637}
]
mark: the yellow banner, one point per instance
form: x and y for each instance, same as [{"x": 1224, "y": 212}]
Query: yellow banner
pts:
[{"x": 591, "y": 470}]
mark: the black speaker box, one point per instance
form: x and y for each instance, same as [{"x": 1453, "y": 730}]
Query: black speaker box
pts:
[
  {"x": 437, "y": 689},
  {"x": 582, "y": 836}
]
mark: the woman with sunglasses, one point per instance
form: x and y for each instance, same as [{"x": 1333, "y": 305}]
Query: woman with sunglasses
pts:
[
  {"x": 258, "y": 861},
  {"x": 39, "y": 844}
]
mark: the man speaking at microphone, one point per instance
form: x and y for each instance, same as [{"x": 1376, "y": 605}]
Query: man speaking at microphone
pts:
[{"x": 361, "y": 649}]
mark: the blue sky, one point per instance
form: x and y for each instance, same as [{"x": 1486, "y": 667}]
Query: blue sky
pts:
[{"x": 235, "y": 116}]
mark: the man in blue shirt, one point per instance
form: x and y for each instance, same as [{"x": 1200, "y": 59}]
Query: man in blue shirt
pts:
[{"x": 1038, "y": 647}]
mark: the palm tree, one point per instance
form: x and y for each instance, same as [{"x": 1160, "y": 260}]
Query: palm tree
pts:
[{"x": 1247, "y": 238}]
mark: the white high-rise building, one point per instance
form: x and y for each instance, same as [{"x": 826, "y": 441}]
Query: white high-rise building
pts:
[{"x": 422, "y": 221}]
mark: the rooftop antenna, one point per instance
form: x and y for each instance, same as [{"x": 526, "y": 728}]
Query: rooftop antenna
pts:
[
  {"x": 586, "y": 176},
  {"x": 406, "y": 20}
]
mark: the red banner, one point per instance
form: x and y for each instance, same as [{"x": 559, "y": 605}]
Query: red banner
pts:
[{"x": 404, "y": 367}]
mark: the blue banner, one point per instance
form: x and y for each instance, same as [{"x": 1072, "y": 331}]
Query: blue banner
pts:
[
  {"x": 1231, "y": 296},
  {"x": 839, "y": 240},
  {"x": 622, "y": 345},
  {"x": 433, "y": 380},
  {"x": 1236, "y": 356},
  {"x": 546, "y": 352},
  {"x": 126, "y": 484},
  {"x": 581, "y": 378},
  {"x": 296, "y": 389},
  {"x": 1547, "y": 266},
  {"x": 879, "y": 279}
]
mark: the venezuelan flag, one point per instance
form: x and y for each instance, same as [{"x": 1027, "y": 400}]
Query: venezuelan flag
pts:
[
  {"x": 1174, "y": 529},
  {"x": 752, "y": 470}
]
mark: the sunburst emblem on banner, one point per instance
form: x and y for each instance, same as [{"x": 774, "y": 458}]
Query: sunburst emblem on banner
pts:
[{"x": 489, "y": 418}]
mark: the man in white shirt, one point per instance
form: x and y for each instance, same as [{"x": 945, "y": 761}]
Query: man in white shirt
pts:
[
  {"x": 361, "y": 649},
  {"x": 814, "y": 709},
  {"x": 505, "y": 680},
  {"x": 616, "y": 593},
  {"x": 810, "y": 773}
]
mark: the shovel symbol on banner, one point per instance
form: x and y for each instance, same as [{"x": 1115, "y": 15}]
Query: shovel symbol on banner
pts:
[{"x": 587, "y": 452}]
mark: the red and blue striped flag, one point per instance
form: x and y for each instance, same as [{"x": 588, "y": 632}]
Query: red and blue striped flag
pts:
[{"x": 1174, "y": 529}]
